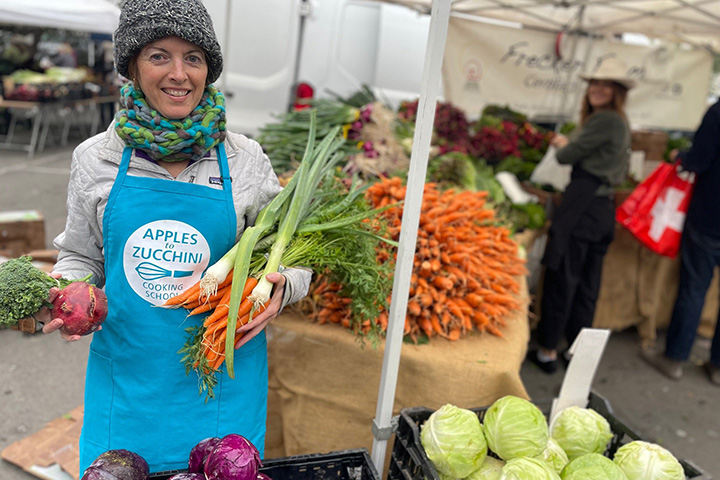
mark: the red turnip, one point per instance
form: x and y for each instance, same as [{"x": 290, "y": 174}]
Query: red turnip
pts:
[{"x": 82, "y": 307}]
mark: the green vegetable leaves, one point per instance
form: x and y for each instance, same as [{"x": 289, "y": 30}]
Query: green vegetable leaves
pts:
[{"x": 24, "y": 289}]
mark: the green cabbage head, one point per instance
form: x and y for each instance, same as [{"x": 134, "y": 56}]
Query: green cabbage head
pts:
[
  {"x": 580, "y": 431},
  {"x": 648, "y": 461},
  {"x": 453, "y": 441},
  {"x": 527, "y": 468},
  {"x": 592, "y": 466},
  {"x": 554, "y": 455},
  {"x": 515, "y": 427},
  {"x": 490, "y": 469}
]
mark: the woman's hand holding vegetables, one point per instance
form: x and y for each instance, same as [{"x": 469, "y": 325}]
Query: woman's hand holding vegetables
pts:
[
  {"x": 52, "y": 324},
  {"x": 44, "y": 316},
  {"x": 559, "y": 141},
  {"x": 259, "y": 322}
]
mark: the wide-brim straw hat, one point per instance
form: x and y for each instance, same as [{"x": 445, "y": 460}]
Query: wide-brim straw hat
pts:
[{"x": 612, "y": 69}]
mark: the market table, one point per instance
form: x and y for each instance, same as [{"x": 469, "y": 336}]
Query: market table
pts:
[
  {"x": 324, "y": 384},
  {"x": 43, "y": 114},
  {"x": 639, "y": 288}
]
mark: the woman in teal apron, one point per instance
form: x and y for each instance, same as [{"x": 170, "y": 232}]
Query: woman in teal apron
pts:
[{"x": 157, "y": 192}]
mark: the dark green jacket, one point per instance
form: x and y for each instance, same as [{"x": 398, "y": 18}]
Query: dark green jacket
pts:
[{"x": 601, "y": 148}]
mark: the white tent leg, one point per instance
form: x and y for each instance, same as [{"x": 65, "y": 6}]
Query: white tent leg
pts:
[{"x": 382, "y": 429}]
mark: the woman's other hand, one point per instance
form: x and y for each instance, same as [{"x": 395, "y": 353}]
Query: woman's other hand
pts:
[
  {"x": 673, "y": 154},
  {"x": 261, "y": 320},
  {"x": 559, "y": 141}
]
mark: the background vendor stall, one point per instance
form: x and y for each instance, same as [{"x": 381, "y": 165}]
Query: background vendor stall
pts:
[
  {"x": 323, "y": 384},
  {"x": 58, "y": 78}
]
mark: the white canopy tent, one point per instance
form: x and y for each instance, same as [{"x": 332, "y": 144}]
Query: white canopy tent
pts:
[
  {"x": 691, "y": 21},
  {"x": 96, "y": 16}
]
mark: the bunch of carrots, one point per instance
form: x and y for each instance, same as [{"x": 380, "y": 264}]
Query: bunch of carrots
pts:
[
  {"x": 316, "y": 221},
  {"x": 217, "y": 306},
  {"x": 466, "y": 265}
]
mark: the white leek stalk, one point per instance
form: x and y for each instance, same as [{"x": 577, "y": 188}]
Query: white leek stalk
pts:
[
  {"x": 218, "y": 272},
  {"x": 309, "y": 177},
  {"x": 266, "y": 219}
]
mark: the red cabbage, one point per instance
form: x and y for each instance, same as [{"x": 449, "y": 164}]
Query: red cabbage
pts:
[
  {"x": 262, "y": 476},
  {"x": 121, "y": 464},
  {"x": 199, "y": 454},
  {"x": 188, "y": 476},
  {"x": 234, "y": 458},
  {"x": 93, "y": 473}
]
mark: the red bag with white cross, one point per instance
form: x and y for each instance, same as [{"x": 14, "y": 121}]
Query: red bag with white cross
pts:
[{"x": 655, "y": 211}]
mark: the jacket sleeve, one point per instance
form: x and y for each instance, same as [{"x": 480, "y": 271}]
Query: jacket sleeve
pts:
[
  {"x": 80, "y": 246},
  {"x": 592, "y": 136},
  {"x": 297, "y": 285},
  {"x": 705, "y": 148}
]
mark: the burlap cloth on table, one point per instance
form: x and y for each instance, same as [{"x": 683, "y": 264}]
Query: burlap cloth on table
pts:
[
  {"x": 324, "y": 385},
  {"x": 639, "y": 288}
]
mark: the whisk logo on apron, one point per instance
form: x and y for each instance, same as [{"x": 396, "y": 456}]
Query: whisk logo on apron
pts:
[{"x": 163, "y": 258}]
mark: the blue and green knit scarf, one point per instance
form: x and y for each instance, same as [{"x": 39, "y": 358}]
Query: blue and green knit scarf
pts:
[{"x": 171, "y": 140}]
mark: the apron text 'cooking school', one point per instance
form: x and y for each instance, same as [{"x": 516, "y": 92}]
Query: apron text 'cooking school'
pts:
[{"x": 159, "y": 236}]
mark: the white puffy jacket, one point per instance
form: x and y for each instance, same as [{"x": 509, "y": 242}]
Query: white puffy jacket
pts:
[{"x": 92, "y": 174}]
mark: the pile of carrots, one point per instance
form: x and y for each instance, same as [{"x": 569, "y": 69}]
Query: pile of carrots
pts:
[
  {"x": 466, "y": 266},
  {"x": 216, "y": 306}
]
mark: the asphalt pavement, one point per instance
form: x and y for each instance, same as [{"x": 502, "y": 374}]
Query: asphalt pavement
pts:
[{"x": 41, "y": 378}]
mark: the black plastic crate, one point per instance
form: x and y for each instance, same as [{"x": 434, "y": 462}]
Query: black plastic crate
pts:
[
  {"x": 342, "y": 465},
  {"x": 409, "y": 462}
]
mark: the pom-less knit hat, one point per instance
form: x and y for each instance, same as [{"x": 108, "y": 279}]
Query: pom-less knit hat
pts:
[{"x": 143, "y": 21}]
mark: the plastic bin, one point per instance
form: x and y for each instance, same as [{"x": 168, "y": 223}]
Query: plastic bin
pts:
[
  {"x": 409, "y": 462},
  {"x": 342, "y": 465}
]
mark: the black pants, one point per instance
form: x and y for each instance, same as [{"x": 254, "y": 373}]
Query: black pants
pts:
[{"x": 570, "y": 292}]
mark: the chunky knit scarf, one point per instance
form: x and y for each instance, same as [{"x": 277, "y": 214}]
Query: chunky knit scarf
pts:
[{"x": 171, "y": 140}]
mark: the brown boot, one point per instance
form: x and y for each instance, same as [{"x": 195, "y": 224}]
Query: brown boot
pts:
[{"x": 667, "y": 366}]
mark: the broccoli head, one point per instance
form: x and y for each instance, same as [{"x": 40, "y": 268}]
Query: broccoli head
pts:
[{"x": 24, "y": 288}]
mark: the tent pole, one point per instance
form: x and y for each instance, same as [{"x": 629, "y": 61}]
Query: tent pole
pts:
[
  {"x": 564, "y": 102},
  {"x": 430, "y": 87}
]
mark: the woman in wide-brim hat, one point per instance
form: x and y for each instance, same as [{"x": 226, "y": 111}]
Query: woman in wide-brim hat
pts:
[
  {"x": 166, "y": 185},
  {"x": 584, "y": 223}
]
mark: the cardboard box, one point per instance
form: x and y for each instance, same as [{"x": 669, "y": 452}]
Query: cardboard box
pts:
[
  {"x": 21, "y": 231},
  {"x": 652, "y": 142},
  {"x": 52, "y": 453}
]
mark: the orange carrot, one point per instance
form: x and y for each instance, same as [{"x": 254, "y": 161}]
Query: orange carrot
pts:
[
  {"x": 178, "y": 299},
  {"x": 204, "y": 307}
]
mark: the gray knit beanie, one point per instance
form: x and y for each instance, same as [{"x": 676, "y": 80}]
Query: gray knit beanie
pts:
[{"x": 143, "y": 21}]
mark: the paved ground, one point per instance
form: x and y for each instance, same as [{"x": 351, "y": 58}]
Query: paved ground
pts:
[{"x": 42, "y": 378}]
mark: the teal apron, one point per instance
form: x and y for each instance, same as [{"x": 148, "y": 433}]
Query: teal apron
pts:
[{"x": 160, "y": 235}]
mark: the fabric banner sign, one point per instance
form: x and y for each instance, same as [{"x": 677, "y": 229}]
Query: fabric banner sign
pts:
[{"x": 491, "y": 64}]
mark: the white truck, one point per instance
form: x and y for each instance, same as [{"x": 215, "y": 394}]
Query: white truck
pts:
[{"x": 334, "y": 45}]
